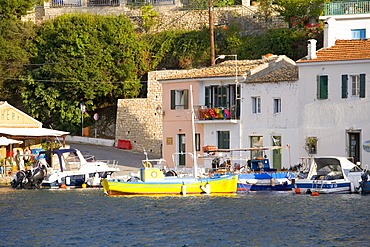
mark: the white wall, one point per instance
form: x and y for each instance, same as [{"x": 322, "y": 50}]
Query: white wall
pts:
[{"x": 329, "y": 119}]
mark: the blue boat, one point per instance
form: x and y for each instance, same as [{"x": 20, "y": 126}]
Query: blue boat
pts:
[
  {"x": 329, "y": 175},
  {"x": 258, "y": 176}
]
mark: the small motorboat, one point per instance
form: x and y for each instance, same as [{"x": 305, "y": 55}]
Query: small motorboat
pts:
[
  {"x": 72, "y": 169},
  {"x": 330, "y": 175}
]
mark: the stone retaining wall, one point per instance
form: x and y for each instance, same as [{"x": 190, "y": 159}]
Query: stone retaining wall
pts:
[{"x": 140, "y": 120}]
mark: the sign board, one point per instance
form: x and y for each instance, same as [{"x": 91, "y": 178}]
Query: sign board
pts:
[
  {"x": 366, "y": 146},
  {"x": 96, "y": 116}
]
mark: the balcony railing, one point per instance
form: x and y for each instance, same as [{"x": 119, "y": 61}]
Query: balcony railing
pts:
[
  {"x": 218, "y": 113},
  {"x": 101, "y": 3},
  {"x": 65, "y": 3},
  {"x": 347, "y": 7}
]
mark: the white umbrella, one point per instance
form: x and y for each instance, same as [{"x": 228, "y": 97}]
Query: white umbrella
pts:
[{"x": 5, "y": 141}]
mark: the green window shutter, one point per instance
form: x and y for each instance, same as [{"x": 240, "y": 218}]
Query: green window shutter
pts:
[
  {"x": 186, "y": 99},
  {"x": 206, "y": 100},
  {"x": 362, "y": 85},
  {"x": 173, "y": 99},
  {"x": 323, "y": 87},
  {"x": 344, "y": 86}
]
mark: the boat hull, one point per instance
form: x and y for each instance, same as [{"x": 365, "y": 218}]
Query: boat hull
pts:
[
  {"x": 173, "y": 186},
  {"x": 323, "y": 187},
  {"x": 253, "y": 187},
  {"x": 265, "y": 181}
]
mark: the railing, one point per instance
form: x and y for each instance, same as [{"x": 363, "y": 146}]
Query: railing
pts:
[
  {"x": 78, "y": 3},
  {"x": 97, "y": 3},
  {"x": 139, "y": 3},
  {"x": 347, "y": 7},
  {"x": 218, "y": 113},
  {"x": 65, "y": 3}
]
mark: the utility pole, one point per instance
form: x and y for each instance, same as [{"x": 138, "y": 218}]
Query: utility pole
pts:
[{"x": 211, "y": 32}]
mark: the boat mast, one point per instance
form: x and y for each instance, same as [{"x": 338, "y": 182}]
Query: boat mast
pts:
[{"x": 193, "y": 132}]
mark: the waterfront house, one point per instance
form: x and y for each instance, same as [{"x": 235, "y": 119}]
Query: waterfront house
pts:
[{"x": 237, "y": 104}]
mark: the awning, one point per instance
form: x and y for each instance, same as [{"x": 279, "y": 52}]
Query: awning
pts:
[
  {"x": 32, "y": 132},
  {"x": 5, "y": 141}
]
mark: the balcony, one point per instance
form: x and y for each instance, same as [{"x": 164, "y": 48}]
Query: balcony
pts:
[
  {"x": 347, "y": 7},
  {"x": 206, "y": 114}
]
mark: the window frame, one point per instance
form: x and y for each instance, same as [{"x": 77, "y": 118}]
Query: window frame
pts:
[
  {"x": 179, "y": 99},
  {"x": 277, "y": 105},
  {"x": 256, "y": 105},
  {"x": 223, "y": 139},
  {"x": 322, "y": 87}
]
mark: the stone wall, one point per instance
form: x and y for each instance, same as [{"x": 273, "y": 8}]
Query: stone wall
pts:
[{"x": 140, "y": 120}]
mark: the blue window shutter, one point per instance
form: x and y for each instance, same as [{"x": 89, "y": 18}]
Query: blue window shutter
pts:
[
  {"x": 344, "y": 86},
  {"x": 362, "y": 85}
]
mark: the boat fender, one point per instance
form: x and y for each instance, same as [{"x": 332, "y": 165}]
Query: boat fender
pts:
[
  {"x": 148, "y": 165},
  {"x": 315, "y": 194}
]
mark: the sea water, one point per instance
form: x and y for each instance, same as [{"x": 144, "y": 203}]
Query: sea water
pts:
[{"x": 85, "y": 217}]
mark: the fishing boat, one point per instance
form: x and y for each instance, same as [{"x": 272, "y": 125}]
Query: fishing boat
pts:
[
  {"x": 153, "y": 182},
  {"x": 256, "y": 174},
  {"x": 329, "y": 175},
  {"x": 71, "y": 169}
]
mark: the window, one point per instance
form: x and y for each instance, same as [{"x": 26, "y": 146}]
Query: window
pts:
[
  {"x": 179, "y": 99},
  {"x": 355, "y": 82},
  {"x": 354, "y": 85},
  {"x": 256, "y": 105},
  {"x": 277, "y": 106},
  {"x": 220, "y": 96},
  {"x": 322, "y": 87},
  {"x": 223, "y": 139},
  {"x": 358, "y": 33}
]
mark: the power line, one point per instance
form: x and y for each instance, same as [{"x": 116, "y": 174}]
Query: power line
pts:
[{"x": 42, "y": 80}]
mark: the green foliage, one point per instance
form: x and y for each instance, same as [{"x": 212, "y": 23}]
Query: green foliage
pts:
[
  {"x": 297, "y": 9},
  {"x": 148, "y": 17},
  {"x": 90, "y": 58},
  {"x": 180, "y": 49},
  {"x": 15, "y": 39},
  {"x": 15, "y": 9}
]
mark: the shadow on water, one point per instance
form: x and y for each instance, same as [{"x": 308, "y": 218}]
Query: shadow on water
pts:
[{"x": 87, "y": 217}]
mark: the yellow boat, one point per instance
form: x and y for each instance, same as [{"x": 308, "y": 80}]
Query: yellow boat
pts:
[{"x": 153, "y": 182}]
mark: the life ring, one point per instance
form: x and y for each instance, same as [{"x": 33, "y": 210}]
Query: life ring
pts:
[{"x": 147, "y": 165}]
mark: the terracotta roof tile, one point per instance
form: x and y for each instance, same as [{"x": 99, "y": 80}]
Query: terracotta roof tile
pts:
[
  {"x": 260, "y": 68},
  {"x": 343, "y": 50}
]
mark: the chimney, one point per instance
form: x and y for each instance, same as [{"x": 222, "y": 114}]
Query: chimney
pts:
[
  {"x": 330, "y": 34},
  {"x": 311, "y": 49}
]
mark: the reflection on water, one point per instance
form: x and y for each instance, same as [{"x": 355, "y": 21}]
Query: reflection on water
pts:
[{"x": 87, "y": 217}]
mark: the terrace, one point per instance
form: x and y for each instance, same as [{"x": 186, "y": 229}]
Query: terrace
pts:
[{"x": 347, "y": 7}]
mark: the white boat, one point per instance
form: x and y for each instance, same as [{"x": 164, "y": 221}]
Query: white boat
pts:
[
  {"x": 328, "y": 175},
  {"x": 74, "y": 169}
]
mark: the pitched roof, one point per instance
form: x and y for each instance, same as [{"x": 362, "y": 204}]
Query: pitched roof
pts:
[
  {"x": 273, "y": 68},
  {"x": 342, "y": 50}
]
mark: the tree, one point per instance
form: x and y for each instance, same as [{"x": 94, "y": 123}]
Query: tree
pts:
[
  {"x": 299, "y": 10},
  {"x": 15, "y": 9},
  {"x": 83, "y": 58},
  {"x": 15, "y": 38}
]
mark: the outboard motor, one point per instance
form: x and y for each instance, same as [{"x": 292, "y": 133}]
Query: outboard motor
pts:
[
  {"x": 18, "y": 179},
  {"x": 28, "y": 180},
  {"x": 38, "y": 175}
]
